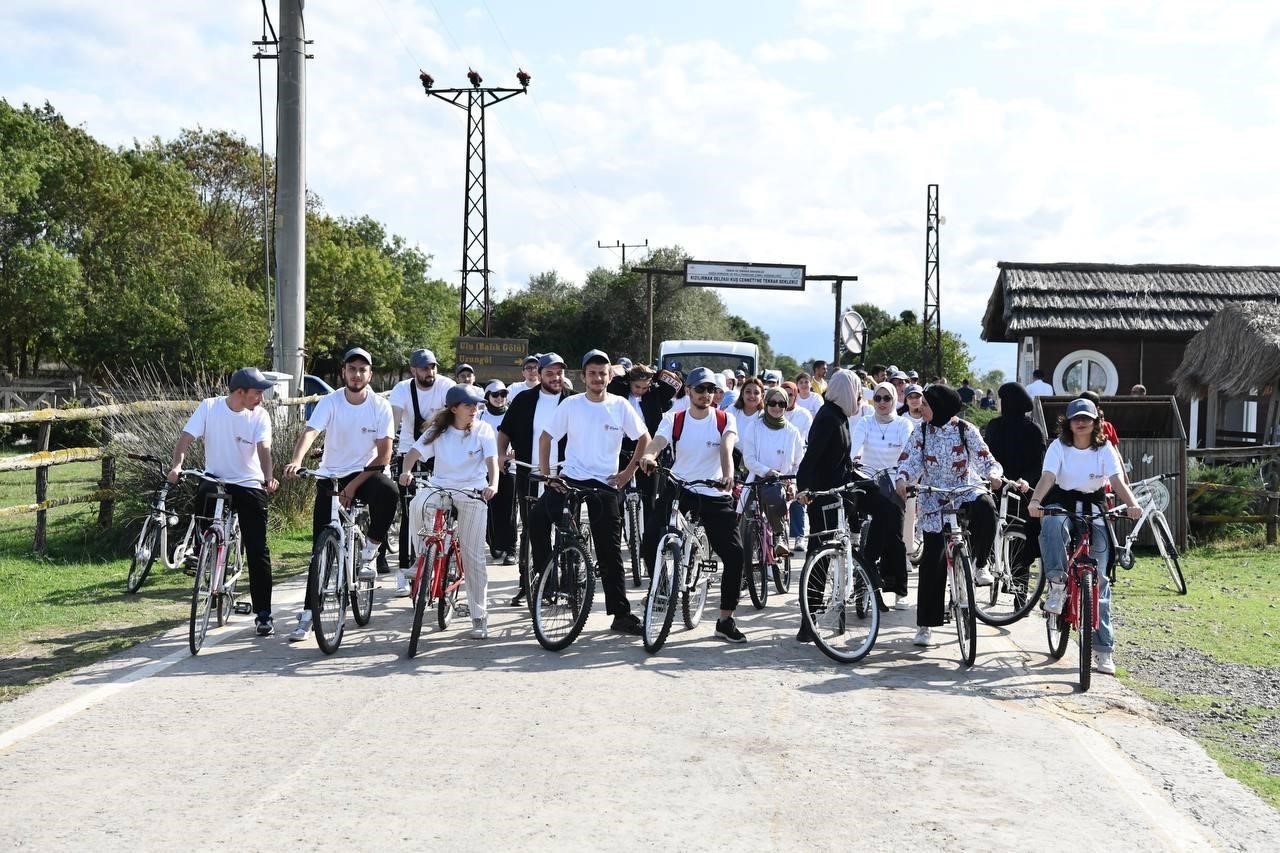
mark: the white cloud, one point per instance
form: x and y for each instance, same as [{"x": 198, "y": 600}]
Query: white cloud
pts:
[{"x": 792, "y": 50}]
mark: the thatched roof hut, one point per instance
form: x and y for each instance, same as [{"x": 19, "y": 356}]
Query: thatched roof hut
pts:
[{"x": 1237, "y": 354}]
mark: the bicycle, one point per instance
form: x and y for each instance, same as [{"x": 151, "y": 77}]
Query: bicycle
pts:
[
  {"x": 438, "y": 567},
  {"x": 837, "y": 598},
  {"x": 759, "y": 559},
  {"x": 214, "y": 589},
  {"x": 680, "y": 551},
  {"x": 1081, "y": 608},
  {"x": 1152, "y": 498},
  {"x": 960, "y": 610},
  {"x": 333, "y": 572},
  {"x": 1016, "y": 587},
  {"x": 560, "y": 595},
  {"x": 153, "y": 538}
]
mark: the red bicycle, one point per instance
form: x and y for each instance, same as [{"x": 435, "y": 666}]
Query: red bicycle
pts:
[
  {"x": 438, "y": 570},
  {"x": 1081, "y": 608}
]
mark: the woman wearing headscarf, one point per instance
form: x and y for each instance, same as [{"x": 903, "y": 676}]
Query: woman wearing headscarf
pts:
[
  {"x": 501, "y": 533},
  {"x": 947, "y": 453},
  {"x": 1018, "y": 443},
  {"x": 802, "y": 419},
  {"x": 880, "y": 440},
  {"x": 776, "y": 449}
]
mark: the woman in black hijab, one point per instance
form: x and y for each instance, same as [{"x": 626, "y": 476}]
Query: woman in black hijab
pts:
[{"x": 1017, "y": 443}]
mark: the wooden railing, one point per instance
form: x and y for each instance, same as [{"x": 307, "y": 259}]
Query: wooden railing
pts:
[{"x": 1271, "y": 517}]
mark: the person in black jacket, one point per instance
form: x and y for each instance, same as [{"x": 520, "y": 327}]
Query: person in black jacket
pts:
[
  {"x": 527, "y": 411},
  {"x": 652, "y": 397},
  {"x": 1018, "y": 443}
]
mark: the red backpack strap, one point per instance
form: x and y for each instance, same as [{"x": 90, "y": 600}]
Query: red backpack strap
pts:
[
  {"x": 722, "y": 420},
  {"x": 677, "y": 427}
]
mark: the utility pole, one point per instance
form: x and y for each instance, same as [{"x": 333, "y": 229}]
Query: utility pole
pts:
[
  {"x": 291, "y": 195},
  {"x": 931, "y": 325},
  {"x": 618, "y": 244},
  {"x": 477, "y": 308}
]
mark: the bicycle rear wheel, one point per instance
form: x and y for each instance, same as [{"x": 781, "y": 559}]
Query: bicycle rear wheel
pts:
[
  {"x": 145, "y": 551},
  {"x": 202, "y": 594},
  {"x": 362, "y": 590},
  {"x": 660, "y": 603},
  {"x": 563, "y": 597},
  {"x": 693, "y": 598},
  {"x": 331, "y": 592},
  {"x": 1018, "y": 585},
  {"x": 1084, "y": 633},
  {"x": 448, "y": 601},
  {"x": 963, "y": 612},
  {"x": 1168, "y": 551},
  {"x": 838, "y": 606},
  {"x": 422, "y": 596},
  {"x": 755, "y": 570},
  {"x": 633, "y": 542}
]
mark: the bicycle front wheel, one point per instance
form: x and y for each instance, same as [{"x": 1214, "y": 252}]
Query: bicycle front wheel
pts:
[
  {"x": 837, "y": 604},
  {"x": 962, "y": 610},
  {"x": 1168, "y": 551},
  {"x": 1057, "y": 630},
  {"x": 421, "y": 596},
  {"x": 331, "y": 592},
  {"x": 755, "y": 567},
  {"x": 1018, "y": 585},
  {"x": 1084, "y": 633},
  {"x": 660, "y": 604},
  {"x": 145, "y": 551},
  {"x": 562, "y": 599},
  {"x": 202, "y": 594},
  {"x": 633, "y": 542}
]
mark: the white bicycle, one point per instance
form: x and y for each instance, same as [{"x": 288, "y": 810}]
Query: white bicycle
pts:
[{"x": 1153, "y": 497}]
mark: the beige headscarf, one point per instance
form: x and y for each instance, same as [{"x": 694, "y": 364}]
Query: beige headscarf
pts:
[
  {"x": 887, "y": 388},
  {"x": 845, "y": 390}
]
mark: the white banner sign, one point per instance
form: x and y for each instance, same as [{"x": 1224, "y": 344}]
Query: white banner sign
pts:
[{"x": 765, "y": 276}]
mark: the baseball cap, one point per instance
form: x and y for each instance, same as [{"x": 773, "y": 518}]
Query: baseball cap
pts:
[
  {"x": 462, "y": 394},
  {"x": 548, "y": 359},
  {"x": 495, "y": 385},
  {"x": 250, "y": 378},
  {"x": 595, "y": 355},
  {"x": 421, "y": 358},
  {"x": 773, "y": 376},
  {"x": 912, "y": 375},
  {"x": 462, "y": 367},
  {"x": 1082, "y": 407},
  {"x": 700, "y": 376},
  {"x": 897, "y": 374},
  {"x": 529, "y": 359},
  {"x": 626, "y": 363},
  {"x": 912, "y": 389},
  {"x": 357, "y": 352}
]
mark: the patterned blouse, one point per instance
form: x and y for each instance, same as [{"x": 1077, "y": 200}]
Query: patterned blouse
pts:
[{"x": 936, "y": 456}]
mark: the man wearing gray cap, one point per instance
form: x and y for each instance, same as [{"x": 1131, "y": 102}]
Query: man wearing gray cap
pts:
[
  {"x": 237, "y": 449},
  {"x": 413, "y": 401},
  {"x": 530, "y": 372}
]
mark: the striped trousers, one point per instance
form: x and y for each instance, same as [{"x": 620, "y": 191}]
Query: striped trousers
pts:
[{"x": 473, "y": 516}]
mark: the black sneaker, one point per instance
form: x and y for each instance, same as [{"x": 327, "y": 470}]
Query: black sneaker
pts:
[
  {"x": 384, "y": 568},
  {"x": 265, "y": 624},
  {"x": 727, "y": 629},
  {"x": 509, "y": 559},
  {"x": 805, "y": 635},
  {"x": 629, "y": 624}
]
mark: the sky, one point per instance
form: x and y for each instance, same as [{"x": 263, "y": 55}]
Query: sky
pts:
[{"x": 798, "y": 133}]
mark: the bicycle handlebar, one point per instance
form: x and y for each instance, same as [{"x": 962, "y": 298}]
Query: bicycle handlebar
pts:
[
  {"x": 950, "y": 494},
  {"x": 714, "y": 484},
  {"x": 1155, "y": 478},
  {"x": 425, "y": 483},
  {"x": 847, "y": 487},
  {"x": 1078, "y": 516}
]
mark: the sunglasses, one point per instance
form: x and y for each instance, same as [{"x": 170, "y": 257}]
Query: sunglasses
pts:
[
  {"x": 777, "y": 404},
  {"x": 705, "y": 389},
  {"x": 499, "y": 393},
  {"x": 882, "y": 399}
]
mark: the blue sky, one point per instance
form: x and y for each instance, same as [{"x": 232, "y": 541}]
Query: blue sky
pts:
[{"x": 801, "y": 132}]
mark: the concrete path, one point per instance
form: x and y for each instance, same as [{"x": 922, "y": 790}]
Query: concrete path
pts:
[{"x": 257, "y": 744}]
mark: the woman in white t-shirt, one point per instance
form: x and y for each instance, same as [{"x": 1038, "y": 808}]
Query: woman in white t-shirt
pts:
[
  {"x": 466, "y": 452},
  {"x": 1076, "y": 467},
  {"x": 746, "y": 411},
  {"x": 776, "y": 448}
]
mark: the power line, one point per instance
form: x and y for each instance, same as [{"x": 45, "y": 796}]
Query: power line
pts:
[{"x": 618, "y": 244}]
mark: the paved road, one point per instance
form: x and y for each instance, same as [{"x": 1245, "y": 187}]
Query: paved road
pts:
[{"x": 259, "y": 745}]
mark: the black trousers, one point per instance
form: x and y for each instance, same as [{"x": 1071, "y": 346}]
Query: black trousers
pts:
[
  {"x": 251, "y": 508},
  {"x": 605, "y": 513},
  {"x": 501, "y": 532},
  {"x": 379, "y": 492},
  {"x": 981, "y": 524},
  {"x": 885, "y": 553},
  {"x": 525, "y": 491},
  {"x": 720, "y": 519}
]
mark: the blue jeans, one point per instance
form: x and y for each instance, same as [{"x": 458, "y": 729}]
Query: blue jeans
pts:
[
  {"x": 1055, "y": 539},
  {"x": 797, "y": 519}
]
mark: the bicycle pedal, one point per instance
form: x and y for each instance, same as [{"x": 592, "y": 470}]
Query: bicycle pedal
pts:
[{"x": 243, "y": 607}]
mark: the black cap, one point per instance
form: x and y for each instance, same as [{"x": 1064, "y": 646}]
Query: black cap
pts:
[
  {"x": 357, "y": 352},
  {"x": 547, "y": 359},
  {"x": 595, "y": 355},
  {"x": 530, "y": 359},
  {"x": 462, "y": 367},
  {"x": 249, "y": 377}
]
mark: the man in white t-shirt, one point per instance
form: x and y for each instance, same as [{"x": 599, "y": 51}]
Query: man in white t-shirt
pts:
[
  {"x": 413, "y": 402},
  {"x": 530, "y": 373},
  {"x": 237, "y": 449},
  {"x": 358, "y": 427},
  {"x": 594, "y": 424},
  {"x": 702, "y": 440},
  {"x": 1038, "y": 387}
]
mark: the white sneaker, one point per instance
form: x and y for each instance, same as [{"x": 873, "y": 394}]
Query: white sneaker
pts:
[
  {"x": 402, "y": 584},
  {"x": 300, "y": 631},
  {"x": 797, "y": 544},
  {"x": 479, "y": 630},
  {"x": 1056, "y": 598},
  {"x": 1103, "y": 663},
  {"x": 983, "y": 576},
  {"x": 924, "y": 636},
  {"x": 899, "y": 602},
  {"x": 367, "y": 555}
]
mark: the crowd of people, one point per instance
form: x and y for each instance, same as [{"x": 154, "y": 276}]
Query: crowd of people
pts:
[{"x": 817, "y": 430}]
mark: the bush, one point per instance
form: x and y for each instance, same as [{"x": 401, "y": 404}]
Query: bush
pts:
[{"x": 1223, "y": 503}]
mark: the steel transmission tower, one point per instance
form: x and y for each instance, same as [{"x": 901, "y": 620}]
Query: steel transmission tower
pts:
[
  {"x": 477, "y": 309},
  {"x": 931, "y": 326}
]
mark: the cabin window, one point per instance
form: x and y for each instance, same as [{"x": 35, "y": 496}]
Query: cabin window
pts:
[{"x": 1086, "y": 370}]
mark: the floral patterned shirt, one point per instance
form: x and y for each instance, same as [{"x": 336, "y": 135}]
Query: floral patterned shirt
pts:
[{"x": 936, "y": 456}]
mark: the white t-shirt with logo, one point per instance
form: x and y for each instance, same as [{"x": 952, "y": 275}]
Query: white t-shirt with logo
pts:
[
  {"x": 547, "y": 405},
  {"x": 430, "y": 401},
  {"x": 350, "y": 432},
  {"x": 1081, "y": 470},
  {"x": 595, "y": 433},
  {"x": 460, "y": 456},
  {"x": 231, "y": 440},
  {"x": 698, "y": 450},
  {"x": 519, "y": 388}
]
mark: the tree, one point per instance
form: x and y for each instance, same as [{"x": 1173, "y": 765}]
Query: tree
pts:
[
  {"x": 907, "y": 318},
  {"x": 991, "y": 379},
  {"x": 901, "y": 347},
  {"x": 878, "y": 321}
]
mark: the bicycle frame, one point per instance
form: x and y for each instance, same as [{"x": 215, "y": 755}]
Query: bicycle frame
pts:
[
  {"x": 1079, "y": 563},
  {"x": 442, "y": 535}
]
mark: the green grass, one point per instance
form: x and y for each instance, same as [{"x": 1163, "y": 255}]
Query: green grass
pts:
[{"x": 1246, "y": 771}]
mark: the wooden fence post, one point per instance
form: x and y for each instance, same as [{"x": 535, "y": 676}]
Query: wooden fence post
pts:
[
  {"x": 1273, "y": 509},
  {"x": 108, "y": 485},
  {"x": 42, "y": 490}
]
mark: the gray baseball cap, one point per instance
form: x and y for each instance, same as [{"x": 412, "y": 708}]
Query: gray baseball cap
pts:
[
  {"x": 249, "y": 378},
  {"x": 1082, "y": 407},
  {"x": 700, "y": 376},
  {"x": 357, "y": 352},
  {"x": 912, "y": 389},
  {"x": 461, "y": 367},
  {"x": 773, "y": 376},
  {"x": 548, "y": 359},
  {"x": 421, "y": 358},
  {"x": 463, "y": 394},
  {"x": 595, "y": 355}
]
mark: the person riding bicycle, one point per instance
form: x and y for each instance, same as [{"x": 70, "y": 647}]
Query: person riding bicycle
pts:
[
  {"x": 237, "y": 449},
  {"x": 466, "y": 453},
  {"x": 948, "y": 453},
  {"x": 652, "y": 397},
  {"x": 502, "y": 509},
  {"x": 776, "y": 448},
  {"x": 703, "y": 450},
  {"x": 879, "y": 441},
  {"x": 358, "y": 429},
  {"x": 594, "y": 423},
  {"x": 1076, "y": 467}
]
